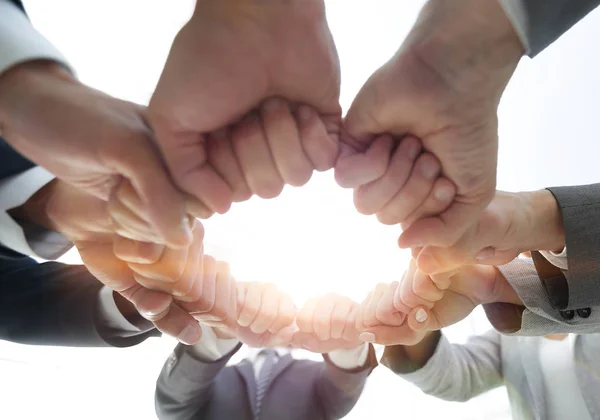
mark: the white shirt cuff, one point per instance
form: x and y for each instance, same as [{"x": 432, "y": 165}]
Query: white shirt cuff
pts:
[
  {"x": 350, "y": 358},
  {"x": 14, "y": 192},
  {"x": 517, "y": 15},
  {"x": 110, "y": 316},
  {"x": 20, "y": 41},
  {"x": 558, "y": 260},
  {"x": 211, "y": 348}
]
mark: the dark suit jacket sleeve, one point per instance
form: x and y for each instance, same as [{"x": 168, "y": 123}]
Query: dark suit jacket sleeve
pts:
[
  {"x": 183, "y": 388},
  {"x": 54, "y": 304},
  {"x": 338, "y": 389},
  {"x": 12, "y": 162},
  {"x": 549, "y": 19}
]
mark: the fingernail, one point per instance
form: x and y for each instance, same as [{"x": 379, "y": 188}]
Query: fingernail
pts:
[
  {"x": 443, "y": 193},
  {"x": 304, "y": 113},
  {"x": 421, "y": 315},
  {"x": 190, "y": 335},
  {"x": 367, "y": 337}
]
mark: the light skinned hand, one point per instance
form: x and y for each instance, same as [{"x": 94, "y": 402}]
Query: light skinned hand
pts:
[
  {"x": 403, "y": 312},
  {"x": 229, "y": 59},
  {"x": 511, "y": 224},
  {"x": 89, "y": 140},
  {"x": 443, "y": 87},
  {"x": 327, "y": 323}
]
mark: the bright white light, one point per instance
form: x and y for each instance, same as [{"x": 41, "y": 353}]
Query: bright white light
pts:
[{"x": 310, "y": 240}]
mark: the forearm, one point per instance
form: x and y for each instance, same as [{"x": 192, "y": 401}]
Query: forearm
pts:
[
  {"x": 451, "y": 372},
  {"x": 407, "y": 359},
  {"x": 467, "y": 44}
]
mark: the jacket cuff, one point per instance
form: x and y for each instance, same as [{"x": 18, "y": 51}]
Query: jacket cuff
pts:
[{"x": 21, "y": 42}]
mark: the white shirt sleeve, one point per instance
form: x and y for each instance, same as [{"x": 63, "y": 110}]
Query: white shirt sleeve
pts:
[
  {"x": 558, "y": 260},
  {"x": 21, "y": 42},
  {"x": 14, "y": 192},
  {"x": 211, "y": 348},
  {"x": 350, "y": 358},
  {"x": 110, "y": 315},
  {"x": 517, "y": 14}
]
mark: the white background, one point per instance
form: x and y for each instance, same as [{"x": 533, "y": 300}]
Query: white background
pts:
[{"x": 310, "y": 240}]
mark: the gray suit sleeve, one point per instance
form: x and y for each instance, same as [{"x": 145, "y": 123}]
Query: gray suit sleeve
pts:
[
  {"x": 547, "y": 20},
  {"x": 580, "y": 208},
  {"x": 458, "y": 372},
  {"x": 538, "y": 316},
  {"x": 338, "y": 389},
  {"x": 183, "y": 387}
]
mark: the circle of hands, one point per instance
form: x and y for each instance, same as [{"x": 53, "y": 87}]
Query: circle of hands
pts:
[{"x": 249, "y": 102}]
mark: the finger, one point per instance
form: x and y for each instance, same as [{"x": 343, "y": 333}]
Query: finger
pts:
[
  {"x": 407, "y": 294},
  {"x": 222, "y": 158},
  {"x": 443, "y": 280},
  {"x": 318, "y": 144},
  {"x": 189, "y": 288},
  {"x": 418, "y": 319},
  {"x": 339, "y": 317},
  {"x": 269, "y": 308},
  {"x": 414, "y": 193},
  {"x": 360, "y": 312},
  {"x": 286, "y": 314},
  {"x": 438, "y": 200},
  {"x": 373, "y": 197},
  {"x": 251, "y": 304},
  {"x": 130, "y": 225},
  {"x": 304, "y": 320},
  {"x": 140, "y": 163},
  {"x": 351, "y": 333},
  {"x": 196, "y": 209},
  {"x": 355, "y": 169},
  {"x": 136, "y": 251},
  {"x": 223, "y": 289},
  {"x": 370, "y": 314},
  {"x": 168, "y": 269},
  {"x": 252, "y": 151},
  {"x": 386, "y": 313},
  {"x": 186, "y": 156},
  {"x": 151, "y": 305},
  {"x": 425, "y": 288},
  {"x": 205, "y": 304},
  {"x": 392, "y": 336},
  {"x": 322, "y": 317},
  {"x": 181, "y": 325},
  {"x": 445, "y": 229},
  {"x": 407, "y": 277},
  {"x": 281, "y": 131}
]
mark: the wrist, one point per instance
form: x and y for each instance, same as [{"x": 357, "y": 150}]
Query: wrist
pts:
[
  {"x": 35, "y": 209},
  {"x": 469, "y": 44},
  {"x": 546, "y": 219}
]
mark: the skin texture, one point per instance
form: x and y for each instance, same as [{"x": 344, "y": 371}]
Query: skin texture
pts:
[{"x": 443, "y": 87}]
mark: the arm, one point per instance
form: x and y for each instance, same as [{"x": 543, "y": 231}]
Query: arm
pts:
[
  {"x": 60, "y": 305},
  {"x": 449, "y": 371},
  {"x": 540, "y": 23},
  {"x": 338, "y": 389},
  {"x": 183, "y": 388}
]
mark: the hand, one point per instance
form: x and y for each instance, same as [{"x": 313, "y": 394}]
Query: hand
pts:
[
  {"x": 401, "y": 195},
  {"x": 326, "y": 324},
  {"x": 265, "y": 316},
  {"x": 402, "y": 313},
  {"x": 443, "y": 86},
  {"x": 88, "y": 139},
  {"x": 262, "y": 153},
  {"x": 513, "y": 223},
  {"x": 225, "y": 62}
]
